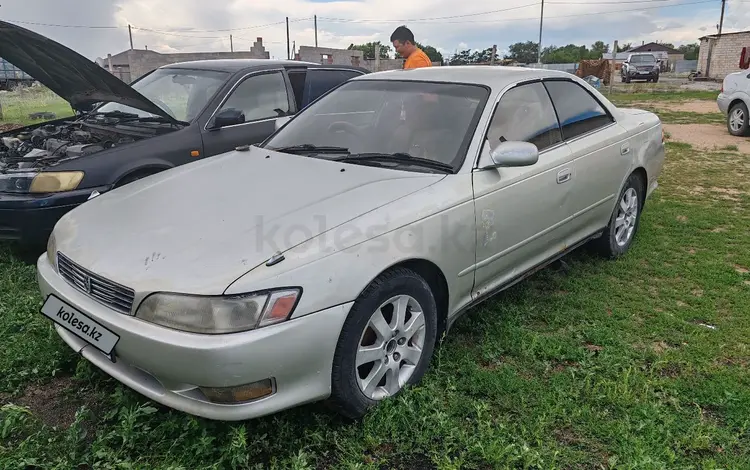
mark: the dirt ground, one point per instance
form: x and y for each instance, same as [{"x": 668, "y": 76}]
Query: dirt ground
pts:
[
  {"x": 9, "y": 126},
  {"x": 692, "y": 106},
  {"x": 707, "y": 136}
]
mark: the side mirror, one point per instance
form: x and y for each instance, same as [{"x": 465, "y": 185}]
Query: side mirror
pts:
[
  {"x": 228, "y": 117},
  {"x": 513, "y": 154},
  {"x": 281, "y": 121}
]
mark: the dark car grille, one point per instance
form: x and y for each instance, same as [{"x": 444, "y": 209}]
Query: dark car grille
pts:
[
  {"x": 111, "y": 294},
  {"x": 646, "y": 68}
]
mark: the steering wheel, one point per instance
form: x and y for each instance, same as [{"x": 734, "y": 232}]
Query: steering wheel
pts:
[{"x": 346, "y": 127}]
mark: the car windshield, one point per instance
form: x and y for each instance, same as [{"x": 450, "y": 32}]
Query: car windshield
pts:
[
  {"x": 643, "y": 59},
  {"x": 182, "y": 93},
  {"x": 425, "y": 120}
]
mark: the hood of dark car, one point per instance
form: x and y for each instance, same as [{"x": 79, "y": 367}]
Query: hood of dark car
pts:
[{"x": 70, "y": 75}]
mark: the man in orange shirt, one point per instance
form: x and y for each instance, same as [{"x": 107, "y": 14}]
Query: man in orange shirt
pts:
[{"x": 403, "y": 41}]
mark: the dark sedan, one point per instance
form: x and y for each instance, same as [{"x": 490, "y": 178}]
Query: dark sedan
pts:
[{"x": 174, "y": 115}]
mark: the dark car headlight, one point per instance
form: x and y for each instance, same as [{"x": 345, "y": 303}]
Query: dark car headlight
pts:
[{"x": 43, "y": 182}]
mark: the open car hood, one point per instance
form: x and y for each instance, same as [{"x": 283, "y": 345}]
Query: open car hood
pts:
[{"x": 70, "y": 75}]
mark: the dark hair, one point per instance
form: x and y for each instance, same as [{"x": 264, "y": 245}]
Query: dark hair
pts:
[{"x": 402, "y": 34}]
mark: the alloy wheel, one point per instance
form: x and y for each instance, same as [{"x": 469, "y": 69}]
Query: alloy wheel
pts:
[
  {"x": 627, "y": 214},
  {"x": 390, "y": 347},
  {"x": 737, "y": 119}
]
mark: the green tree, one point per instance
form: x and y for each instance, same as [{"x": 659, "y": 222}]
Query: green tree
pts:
[
  {"x": 625, "y": 47},
  {"x": 432, "y": 53},
  {"x": 598, "y": 49},
  {"x": 369, "y": 49},
  {"x": 523, "y": 52},
  {"x": 691, "y": 51}
]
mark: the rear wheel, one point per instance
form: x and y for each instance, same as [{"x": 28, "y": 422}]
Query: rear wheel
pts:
[
  {"x": 624, "y": 222},
  {"x": 385, "y": 344},
  {"x": 737, "y": 120}
]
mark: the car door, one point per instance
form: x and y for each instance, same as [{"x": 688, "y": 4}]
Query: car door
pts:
[
  {"x": 601, "y": 151},
  {"x": 319, "y": 80},
  {"x": 521, "y": 211},
  {"x": 261, "y": 98}
]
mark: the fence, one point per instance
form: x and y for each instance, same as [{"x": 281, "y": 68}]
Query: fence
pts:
[{"x": 685, "y": 66}]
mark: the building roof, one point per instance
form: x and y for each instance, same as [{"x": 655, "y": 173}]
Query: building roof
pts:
[
  {"x": 723, "y": 34},
  {"x": 235, "y": 65},
  {"x": 655, "y": 47},
  {"x": 494, "y": 77}
]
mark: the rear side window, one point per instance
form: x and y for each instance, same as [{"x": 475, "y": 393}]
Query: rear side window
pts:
[
  {"x": 525, "y": 114},
  {"x": 318, "y": 82},
  {"x": 577, "y": 110}
]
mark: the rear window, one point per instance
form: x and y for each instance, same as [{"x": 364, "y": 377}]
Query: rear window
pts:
[{"x": 318, "y": 82}]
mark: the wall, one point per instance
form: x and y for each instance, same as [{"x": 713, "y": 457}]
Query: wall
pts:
[
  {"x": 330, "y": 56},
  {"x": 725, "y": 54},
  {"x": 141, "y": 64},
  {"x": 685, "y": 66}
]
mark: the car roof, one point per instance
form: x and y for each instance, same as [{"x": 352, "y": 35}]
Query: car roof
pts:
[
  {"x": 493, "y": 77},
  {"x": 235, "y": 65}
]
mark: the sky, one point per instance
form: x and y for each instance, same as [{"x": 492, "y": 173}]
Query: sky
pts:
[{"x": 97, "y": 27}]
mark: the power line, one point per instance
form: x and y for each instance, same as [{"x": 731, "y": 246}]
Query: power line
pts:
[
  {"x": 65, "y": 25},
  {"x": 408, "y": 20},
  {"x": 536, "y": 18}
]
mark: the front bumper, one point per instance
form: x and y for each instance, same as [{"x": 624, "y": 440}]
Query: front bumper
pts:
[
  {"x": 30, "y": 218},
  {"x": 636, "y": 75},
  {"x": 723, "y": 102},
  {"x": 168, "y": 366}
]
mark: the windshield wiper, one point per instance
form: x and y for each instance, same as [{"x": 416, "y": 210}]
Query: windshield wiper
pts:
[
  {"x": 310, "y": 148},
  {"x": 117, "y": 114},
  {"x": 154, "y": 119},
  {"x": 398, "y": 157}
]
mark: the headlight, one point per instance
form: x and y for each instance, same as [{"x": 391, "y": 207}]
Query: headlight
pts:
[
  {"x": 16, "y": 182},
  {"x": 219, "y": 314},
  {"x": 53, "y": 182},
  {"x": 52, "y": 250},
  {"x": 44, "y": 182}
]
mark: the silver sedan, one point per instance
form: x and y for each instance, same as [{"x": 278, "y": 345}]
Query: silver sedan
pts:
[{"x": 327, "y": 262}]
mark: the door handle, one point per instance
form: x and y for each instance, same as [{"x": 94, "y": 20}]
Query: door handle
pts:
[
  {"x": 564, "y": 175},
  {"x": 624, "y": 149}
]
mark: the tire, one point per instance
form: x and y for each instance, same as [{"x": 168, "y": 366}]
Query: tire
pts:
[
  {"x": 737, "y": 120},
  {"x": 407, "y": 287},
  {"x": 611, "y": 243},
  {"x": 656, "y": 80},
  {"x": 627, "y": 79}
]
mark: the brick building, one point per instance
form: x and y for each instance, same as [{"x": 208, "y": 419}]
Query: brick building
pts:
[
  {"x": 725, "y": 52},
  {"x": 131, "y": 64}
]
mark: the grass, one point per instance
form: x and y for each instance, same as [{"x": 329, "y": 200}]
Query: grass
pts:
[
  {"x": 18, "y": 104},
  {"x": 639, "y": 363},
  {"x": 656, "y": 95}
]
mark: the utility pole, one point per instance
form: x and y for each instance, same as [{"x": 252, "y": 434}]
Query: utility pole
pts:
[
  {"x": 721, "y": 22},
  {"x": 130, "y": 33},
  {"x": 541, "y": 24},
  {"x": 494, "y": 53},
  {"x": 294, "y": 50},
  {"x": 614, "y": 63},
  {"x": 315, "y": 19},
  {"x": 231, "y": 44},
  {"x": 287, "y": 38}
]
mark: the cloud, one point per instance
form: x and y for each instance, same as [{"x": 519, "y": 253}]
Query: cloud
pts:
[{"x": 197, "y": 25}]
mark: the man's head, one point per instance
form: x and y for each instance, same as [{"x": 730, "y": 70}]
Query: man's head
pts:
[{"x": 403, "y": 41}]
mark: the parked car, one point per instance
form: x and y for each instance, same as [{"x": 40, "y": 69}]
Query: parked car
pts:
[
  {"x": 326, "y": 262},
  {"x": 174, "y": 115},
  {"x": 734, "y": 101},
  {"x": 640, "y": 66}
]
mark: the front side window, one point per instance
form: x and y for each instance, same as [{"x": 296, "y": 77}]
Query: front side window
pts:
[
  {"x": 433, "y": 121},
  {"x": 577, "y": 110},
  {"x": 259, "y": 97},
  {"x": 525, "y": 114}
]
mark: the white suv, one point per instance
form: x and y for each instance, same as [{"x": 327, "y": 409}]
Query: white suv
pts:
[{"x": 734, "y": 101}]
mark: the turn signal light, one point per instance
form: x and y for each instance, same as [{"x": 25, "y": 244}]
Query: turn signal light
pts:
[{"x": 240, "y": 393}]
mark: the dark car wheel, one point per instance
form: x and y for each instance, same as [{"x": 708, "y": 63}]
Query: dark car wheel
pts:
[
  {"x": 624, "y": 222},
  {"x": 737, "y": 120},
  {"x": 385, "y": 344}
]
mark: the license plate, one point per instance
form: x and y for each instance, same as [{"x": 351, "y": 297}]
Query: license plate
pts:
[{"x": 80, "y": 325}]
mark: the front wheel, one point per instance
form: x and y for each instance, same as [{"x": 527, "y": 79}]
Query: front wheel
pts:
[
  {"x": 385, "y": 344},
  {"x": 737, "y": 120},
  {"x": 624, "y": 222}
]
